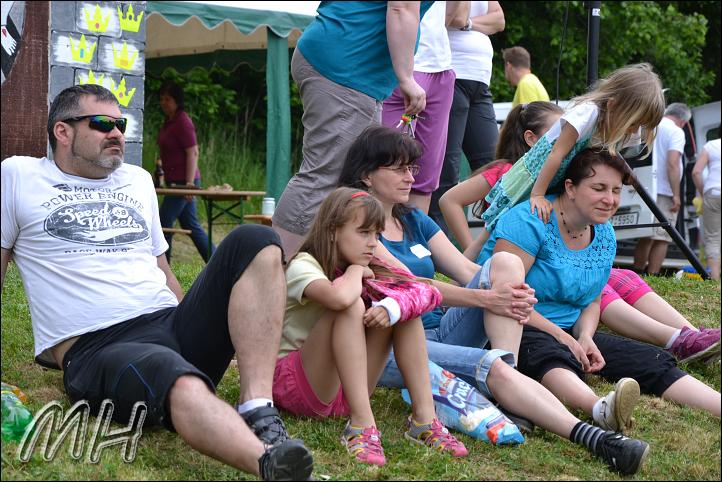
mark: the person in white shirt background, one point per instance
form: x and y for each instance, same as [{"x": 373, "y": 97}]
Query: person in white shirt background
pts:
[
  {"x": 472, "y": 121},
  {"x": 434, "y": 73},
  {"x": 667, "y": 160},
  {"x": 709, "y": 187}
]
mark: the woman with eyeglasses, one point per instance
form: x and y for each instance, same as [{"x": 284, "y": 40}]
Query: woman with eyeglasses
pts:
[
  {"x": 382, "y": 162},
  {"x": 179, "y": 156}
]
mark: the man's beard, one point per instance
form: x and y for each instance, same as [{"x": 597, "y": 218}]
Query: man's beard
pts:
[
  {"x": 107, "y": 163},
  {"x": 111, "y": 163}
]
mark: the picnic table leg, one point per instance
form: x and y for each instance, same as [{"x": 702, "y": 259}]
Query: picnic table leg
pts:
[{"x": 209, "y": 214}]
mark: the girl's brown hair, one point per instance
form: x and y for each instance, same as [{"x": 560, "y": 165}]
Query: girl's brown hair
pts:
[
  {"x": 533, "y": 117},
  {"x": 339, "y": 208},
  {"x": 511, "y": 145}
]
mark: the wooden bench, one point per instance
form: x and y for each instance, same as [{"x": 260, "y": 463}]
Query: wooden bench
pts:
[
  {"x": 176, "y": 231},
  {"x": 258, "y": 218}
]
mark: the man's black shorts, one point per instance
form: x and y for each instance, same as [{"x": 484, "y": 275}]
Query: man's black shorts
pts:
[{"x": 140, "y": 359}]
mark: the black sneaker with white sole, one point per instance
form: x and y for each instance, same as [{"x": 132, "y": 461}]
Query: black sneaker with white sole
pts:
[
  {"x": 266, "y": 423},
  {"x": 288, "y": 460},
  {"x": 623, "y": 454}
]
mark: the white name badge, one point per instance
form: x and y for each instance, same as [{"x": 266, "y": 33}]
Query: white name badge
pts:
[{"x": 420, "y": 251}]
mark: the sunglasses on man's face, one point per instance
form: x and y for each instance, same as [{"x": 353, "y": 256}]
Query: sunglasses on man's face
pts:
[{"x": 102, "y": 123}]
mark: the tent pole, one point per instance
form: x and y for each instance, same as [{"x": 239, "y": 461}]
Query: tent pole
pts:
[
  {"x": 278, "y": 120},
  {"x": 667, "y": 226}
]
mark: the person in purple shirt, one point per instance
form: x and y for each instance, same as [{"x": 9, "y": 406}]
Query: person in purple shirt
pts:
[{"x": 179, "y": 154}]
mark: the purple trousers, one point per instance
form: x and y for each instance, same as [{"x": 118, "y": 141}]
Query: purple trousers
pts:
[{"x": 431, "y": 128}]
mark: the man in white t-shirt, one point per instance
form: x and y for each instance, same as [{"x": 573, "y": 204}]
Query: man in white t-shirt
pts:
[
  {"x": 84, "y": 232},
  {"x": 667, "y": 160}
]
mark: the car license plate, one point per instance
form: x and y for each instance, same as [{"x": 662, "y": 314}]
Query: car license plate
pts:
[{"x": 625, "y": 219}]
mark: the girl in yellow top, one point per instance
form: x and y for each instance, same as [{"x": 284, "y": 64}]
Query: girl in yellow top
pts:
[{"x": 333, "y": 348}]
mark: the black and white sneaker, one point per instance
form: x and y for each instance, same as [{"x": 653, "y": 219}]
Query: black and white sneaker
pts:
[
  {"x": 623, "y": 454},
  {"x": 266, "y": 423},
  {"x": 288, "y": 460}
]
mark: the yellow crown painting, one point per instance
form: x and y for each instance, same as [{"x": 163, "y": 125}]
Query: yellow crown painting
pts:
[
  {"x": 122, "y": 61},
  {"x": 92, "y": 79},
  {"x": 97, "y": 23},
  {"x": 129, "y": 22},
  {"x": 80, "y": 51},
  {"x": 120, "y": 94}
]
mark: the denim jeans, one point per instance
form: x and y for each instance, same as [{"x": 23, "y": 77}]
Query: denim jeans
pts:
[
  {"x": 457, "y": 344},
  {"x": 177, "y": 207}
]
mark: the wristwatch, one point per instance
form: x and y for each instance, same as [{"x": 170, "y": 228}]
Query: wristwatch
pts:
[{"x": 469, "y": 25}]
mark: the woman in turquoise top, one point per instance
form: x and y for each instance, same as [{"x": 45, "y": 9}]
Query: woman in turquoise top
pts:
[
  {"x": 568, "y": 261},
  {"x": 488, "y": 305},
  {"x": 568, "y": 280}
]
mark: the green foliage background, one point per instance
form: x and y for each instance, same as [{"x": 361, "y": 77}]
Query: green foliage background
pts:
[{"x": 681, "y": 39}]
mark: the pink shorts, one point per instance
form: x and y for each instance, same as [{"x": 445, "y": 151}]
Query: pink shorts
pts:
[
  {"x": 293, "y": 393},
  {"x": 624, "y": 284}
]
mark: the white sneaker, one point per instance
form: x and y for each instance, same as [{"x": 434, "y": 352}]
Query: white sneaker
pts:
[{"x": 616, "y": 409}]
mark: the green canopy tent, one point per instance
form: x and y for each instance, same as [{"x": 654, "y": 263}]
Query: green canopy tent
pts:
[{"x": 188, "y": 34}]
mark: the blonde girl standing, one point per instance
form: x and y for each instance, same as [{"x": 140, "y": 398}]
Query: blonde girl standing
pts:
[
  {"x": 334, "y": 348},
  {"x": 609, "y": 117}
]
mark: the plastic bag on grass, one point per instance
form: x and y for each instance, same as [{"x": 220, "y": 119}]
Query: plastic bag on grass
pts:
[{"x": 462, "y": 407}]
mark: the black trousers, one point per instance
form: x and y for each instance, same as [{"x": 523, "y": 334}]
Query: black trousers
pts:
[
  {"x": 473, "y": 130},
  {"x": 653, "y": 368}
]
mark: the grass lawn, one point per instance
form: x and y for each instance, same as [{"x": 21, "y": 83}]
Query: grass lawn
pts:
[{"x": 685, "y": 443}]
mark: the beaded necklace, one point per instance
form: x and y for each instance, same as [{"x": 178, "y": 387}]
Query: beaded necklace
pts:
[{"x": 564, "y": 222}]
